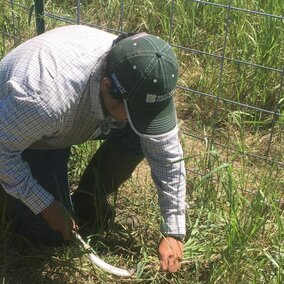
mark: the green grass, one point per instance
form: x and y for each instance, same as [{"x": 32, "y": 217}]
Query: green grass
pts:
[
  {"x": 234, "y": 221},
  {"x": 233, "y": 237}
]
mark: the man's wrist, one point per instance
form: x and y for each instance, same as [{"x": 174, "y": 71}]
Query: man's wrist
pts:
[{"x": 176, "y": 237}]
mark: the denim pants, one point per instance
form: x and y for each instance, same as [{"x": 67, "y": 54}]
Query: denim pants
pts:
[{"x": 110, "y": 166}]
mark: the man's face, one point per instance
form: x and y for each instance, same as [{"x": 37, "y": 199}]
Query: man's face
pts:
[
  {"x": 118, "y": 111},
  {"x": 113, "y": 107}
]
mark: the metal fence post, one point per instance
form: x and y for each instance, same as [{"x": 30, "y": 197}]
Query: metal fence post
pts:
[{"x": 39, "y": 11}]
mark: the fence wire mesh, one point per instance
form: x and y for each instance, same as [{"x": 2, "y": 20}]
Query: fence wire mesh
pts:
[{"x": 230, "y": 94}]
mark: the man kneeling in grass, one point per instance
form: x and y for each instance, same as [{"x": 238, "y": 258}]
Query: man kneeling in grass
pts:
[{"x": 77, "y": 83}]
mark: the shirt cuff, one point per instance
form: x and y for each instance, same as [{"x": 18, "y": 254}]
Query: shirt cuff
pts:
[
  {"x": 174, "y": 225},
  {"x": 38, "y": 199}
]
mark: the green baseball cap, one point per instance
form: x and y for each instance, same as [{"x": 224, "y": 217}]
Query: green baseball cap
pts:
[{"x": 144, "y": 70}]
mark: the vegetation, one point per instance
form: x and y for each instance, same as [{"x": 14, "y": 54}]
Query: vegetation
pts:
[{"x": 233, "y": 154}]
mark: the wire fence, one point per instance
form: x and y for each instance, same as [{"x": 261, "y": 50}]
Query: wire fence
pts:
[{"x": 229, "y": 89}]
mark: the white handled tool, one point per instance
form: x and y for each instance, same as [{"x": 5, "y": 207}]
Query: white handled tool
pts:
[{"x": 99, "y": 262}]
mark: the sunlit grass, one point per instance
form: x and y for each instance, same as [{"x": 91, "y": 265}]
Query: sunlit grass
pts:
[{"x": 234, "y": 221}]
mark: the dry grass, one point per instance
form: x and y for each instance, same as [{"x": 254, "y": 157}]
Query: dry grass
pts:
[
  {"x": 208, "y": 248},
  {"x": 234, "y": 219}
]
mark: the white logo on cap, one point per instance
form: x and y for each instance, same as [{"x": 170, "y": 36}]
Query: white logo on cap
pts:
[{"x": 151, "y": 98}]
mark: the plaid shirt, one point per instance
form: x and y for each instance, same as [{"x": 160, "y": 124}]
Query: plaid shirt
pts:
[{"x": 49, "y": 99}]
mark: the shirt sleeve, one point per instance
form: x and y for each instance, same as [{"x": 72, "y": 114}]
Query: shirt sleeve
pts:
[
  {"x": 165, "y": 157},
  {"x": 23, "y": 120}
]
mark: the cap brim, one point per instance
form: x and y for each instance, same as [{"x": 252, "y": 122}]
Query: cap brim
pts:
[{"x": 152, "y": 121}]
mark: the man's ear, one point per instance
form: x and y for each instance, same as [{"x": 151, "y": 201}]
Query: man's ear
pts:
[{"x": 106, "y": 85}]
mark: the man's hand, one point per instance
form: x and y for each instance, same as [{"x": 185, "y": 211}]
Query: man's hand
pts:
[
  {"x": 59, "y": 219},
  {"x": 170, "y": 253}
]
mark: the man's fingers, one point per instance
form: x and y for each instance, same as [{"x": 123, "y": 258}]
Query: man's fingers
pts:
[
  {"x": 59, "y": 219},
  {"x": 167, "y": 262},
  {"x": 177, "y": 264},
  {"x": 170, "y": 252},
  {"x": 170, "y": 264},
  {"x": 67, "y": 229},
  {"x": 173, "y": 264},
  {"x": 164, "y": 264},
  {"x": 65, "y": 234},
  {"x": 72, "y": 224}
]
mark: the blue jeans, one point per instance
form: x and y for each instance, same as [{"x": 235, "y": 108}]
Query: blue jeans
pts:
[
  {"x": 111, "y": 165},
  {"x": 50, "y": 170}
]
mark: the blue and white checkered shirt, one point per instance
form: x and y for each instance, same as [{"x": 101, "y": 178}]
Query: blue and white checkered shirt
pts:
[{"x": 49, "y": 99}]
